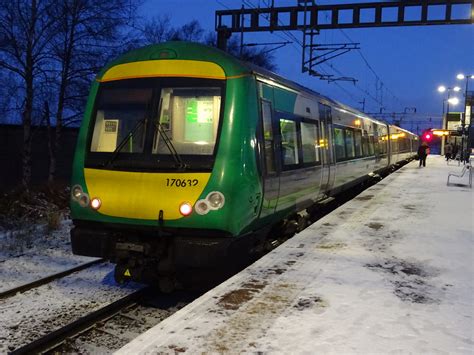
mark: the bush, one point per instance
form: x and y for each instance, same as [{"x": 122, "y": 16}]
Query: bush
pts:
[
  {"x": 46, "y": 204},
  {"x": 53, "y": 220}
]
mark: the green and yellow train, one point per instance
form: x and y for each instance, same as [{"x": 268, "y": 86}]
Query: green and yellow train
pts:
[{"x": 187, "y": 156}]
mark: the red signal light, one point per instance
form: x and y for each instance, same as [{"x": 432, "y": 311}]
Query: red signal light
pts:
[{"x": 427, "y": 136}]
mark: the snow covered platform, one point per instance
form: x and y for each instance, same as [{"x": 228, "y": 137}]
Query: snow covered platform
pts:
[{"x": 389, "y": 272}]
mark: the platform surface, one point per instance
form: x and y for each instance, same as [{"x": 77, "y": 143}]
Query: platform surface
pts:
[{"x": 392, "y": 271}]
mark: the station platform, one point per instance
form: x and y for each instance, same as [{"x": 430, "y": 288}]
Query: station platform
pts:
[{"x": 388, "y": 272}]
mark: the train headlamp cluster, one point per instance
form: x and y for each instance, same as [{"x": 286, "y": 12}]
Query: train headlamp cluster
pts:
[
  {"x": 80, "y": 196},
  {"x": 213, "y": 201},
  {"x": 83, "y": 199}
]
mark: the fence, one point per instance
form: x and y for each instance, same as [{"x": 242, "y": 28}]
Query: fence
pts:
[{"x": 11, "y": 146}]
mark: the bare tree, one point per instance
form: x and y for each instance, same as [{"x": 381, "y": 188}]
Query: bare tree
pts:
[
  {"x": 9, "y": 92},
  {"x": 26, "y": 31},
  {"x": 191, "y": 31},
  {"x": 157, "y": 30},
  {"x": 89, "y": 31}
]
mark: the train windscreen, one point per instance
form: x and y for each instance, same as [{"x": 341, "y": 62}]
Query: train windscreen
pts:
[
  {"x": 155, "y": 124},
  {"x": 189, "y": 118}
]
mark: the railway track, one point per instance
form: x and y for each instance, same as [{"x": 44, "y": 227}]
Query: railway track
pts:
[
  {"x": 109, "y": 328},
  {"x": 47, "y": 279},
  {"x": 55, "y": 338}
]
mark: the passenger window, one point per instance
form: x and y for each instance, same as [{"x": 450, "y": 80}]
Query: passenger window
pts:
[
  {"x": 309, "y": 139},
  {"x": 350, "y": 143},
  {"x": 339, "y": 143},
  {"x": 365, "y": 143},
  {"x": 371, "y": 145},
  {"x": 358, "y": 143},
  {"x": 394, "y": 143},
  {"x": 268, "y": 137},
  {"x": 289, "y": 142}
]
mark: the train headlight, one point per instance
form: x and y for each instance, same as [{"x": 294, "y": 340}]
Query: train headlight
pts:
[
  {"x": 216, "y": 200},
  {"x": 78, "y": 194},
  {"x": 185, "y": 209},
  {"x": 201, "y": 207},
  {"x": 83, "y": 200},
  {"x": 96, "y": 203},
  {"x": 76, "y": 191}
]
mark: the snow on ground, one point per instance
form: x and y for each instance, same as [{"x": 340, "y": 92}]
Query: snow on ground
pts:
[
  {"x": 389, "y": 272},
  {"x": 29, "y": 315},
  {"x": 34, "y": 253}
]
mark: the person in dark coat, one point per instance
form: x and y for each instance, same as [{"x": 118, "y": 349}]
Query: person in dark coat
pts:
[
  {"x": 448, "y": 149},
  {"x": 454, "y": 153},
  {"x": 423, "y": 151}
]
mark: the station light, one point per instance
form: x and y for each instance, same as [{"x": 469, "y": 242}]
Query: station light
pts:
[
  {"x": 441, "y": 88},
  {"x": 462, "y": 76},
  {"x": 440, "y": 132},
  {"x": 453, "y": 100}
]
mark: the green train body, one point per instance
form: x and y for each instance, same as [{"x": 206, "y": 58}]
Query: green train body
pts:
[{"x": 187, "y": 155}]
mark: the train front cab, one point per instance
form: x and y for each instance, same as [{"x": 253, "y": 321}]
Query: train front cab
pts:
[{"x": 172, "y": 172}]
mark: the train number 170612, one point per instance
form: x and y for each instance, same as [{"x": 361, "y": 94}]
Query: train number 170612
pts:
[{"x": 182, "y": 182}]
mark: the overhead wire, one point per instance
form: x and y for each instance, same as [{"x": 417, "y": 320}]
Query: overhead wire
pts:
[
  {"x": 332, "y": 67},
  {"x": 299, "y": 48}
]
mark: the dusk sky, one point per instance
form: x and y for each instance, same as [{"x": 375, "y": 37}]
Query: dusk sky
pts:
[{"x": 410, "y": 61}]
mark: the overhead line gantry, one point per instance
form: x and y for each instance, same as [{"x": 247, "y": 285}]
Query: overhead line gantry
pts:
[{"x": 310, "y": 18}]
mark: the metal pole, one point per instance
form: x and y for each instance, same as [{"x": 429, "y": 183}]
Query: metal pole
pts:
[
  {"x": 242, "y": 32},
  {"x": 445, "y": 118},
  {"x": 463, "y": 120},
  {"x": 445, "y": 126}
]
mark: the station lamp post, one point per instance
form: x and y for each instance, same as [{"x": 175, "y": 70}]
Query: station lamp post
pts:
[
  {"x": 466, "y": 111},
  {"x": 449, "y": 100}
]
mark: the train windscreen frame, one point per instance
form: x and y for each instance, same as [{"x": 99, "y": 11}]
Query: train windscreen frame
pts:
[{"x": 137, "y": 126}]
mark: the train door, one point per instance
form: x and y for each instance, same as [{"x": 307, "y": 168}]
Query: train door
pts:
[
  {"x": 271, "y": 177},
  {"x": 328, "y": 160}
]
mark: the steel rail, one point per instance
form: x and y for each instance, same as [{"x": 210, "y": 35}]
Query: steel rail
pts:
[
  {"x": 55, "y": 338},
  {"x": 47, "y": 279}
]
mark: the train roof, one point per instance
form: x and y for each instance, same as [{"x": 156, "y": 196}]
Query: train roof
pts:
[{"x": 231, "y": 65}]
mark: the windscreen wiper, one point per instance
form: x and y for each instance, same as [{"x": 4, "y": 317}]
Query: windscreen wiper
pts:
[
  {"x": 123, "y": 142},
  {"x": 170, "y": 146}
]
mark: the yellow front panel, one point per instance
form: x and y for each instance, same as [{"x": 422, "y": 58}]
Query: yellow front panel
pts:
[
  {"x": 164, "y": 68},
  {"x": 142, "y": 195}
]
